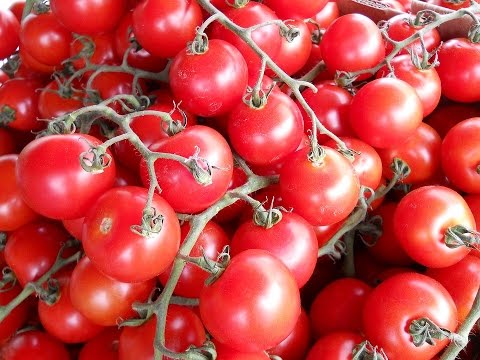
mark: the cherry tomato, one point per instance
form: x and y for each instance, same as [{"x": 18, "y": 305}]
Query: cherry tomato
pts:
[
  {"x": 53, "y": 104},
  {"x": 100, "y": 50},
  {"x": 16, "y": 318},
  {"x": 227, "y": 353},
  {"x": 104, "y": 346},
  {"x": 17, "y": 9},
  {"x": 7, "y": 143},
  {"x": 337, "y": 345},
  {"x": 9, "y": 33},
  {"x": 33, "y": 65},
  {"x": 295, "y": 10},
  {"x": 43, "y": 345},
  {"x": 446, "y": 115},
  {"x": 74, "y": 227},
  {"x": 236, "y": 209}
]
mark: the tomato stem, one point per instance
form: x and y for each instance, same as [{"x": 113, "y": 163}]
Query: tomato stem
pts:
[
  {"x": 7, "y": 115},
  {"x": 366, "y": 351}
]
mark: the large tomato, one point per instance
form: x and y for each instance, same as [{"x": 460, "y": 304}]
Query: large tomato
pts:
[{"x": 52, "y": 181}]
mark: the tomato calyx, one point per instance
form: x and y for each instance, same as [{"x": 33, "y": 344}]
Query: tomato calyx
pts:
[
  {"x": 7, "y": 115},
  {"x": 317, "y": 154},
  {"x": 8, "y": 278},
  {"x": 267, "y": 218},
  {"x": 152, "y": 223},
  {"x": 87, "y": 51},
  {"x": 400, "y": 169},
  {"x": 290, "y": 32},
  {"x": 425, "y": 331},
  {"x": 459, "y": 235},
  {"x": 237, "y": 4},
  {"x": 95, "y": 160},
  {"x": 214, "y": 267},
  {"x": 50, "y": 293},
  {"x": 40, "y": 7},
  {"x": 474, "y": 33},
  {"x": 366, "y": 351}
]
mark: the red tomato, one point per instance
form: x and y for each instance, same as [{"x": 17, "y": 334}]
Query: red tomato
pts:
[
  {"x": 421, "y": 151},
  {"x": 52, "y": 104},
  {"x": 385, "y": 112},
  {"x": 266, "y": 134},
  {"x": 14, "y": 212},
  {"x": 292, "y": 240},
  {"x": 19, "y": 104},
  {"x": 7, "y": 143},
  {"x": 3, "y": 77},
  {"x": 301, "y": 9},
  {"x": 395, "y": 303},
  {"x": 9, "y": 33},
  {"x": 89, "y": 17},
  {"x": 338, "y": 345},
  {"x": 64, "y": 321},
  {"x": 179, "y": 187},
  {"x": 313, "y": 190},
  {"x": 52, "y": 181},
  {"x": 33, "y": 65},
  {"x": 264, "y": 310},
  {"x": 74, "y": 227},
  {"x": 422, "y": 219},
  {"x": 163, "y": 28},
  {"x": 462, "y": 280},
  {"x": 101, "y": 50},
  {"x": 338, "y": 307},
  {"x": 326, "y": 15},
  {"x": 456, "y": 81},
  {"x": 16, "y": 318},
  {"x": 233, "y": 211},
  {"x": 119, "y": 252},
  {"x": 104, "y": 346},
  {"x": 227, "y": 353},
  {"x": 17, "y": 9},
  {"x": 461, "y": 155},
  {"x": 210, "y": 243},
  {"x": 183, "y": 329},
  {"x": 446, "y": 115},
  {"x": 25, "y": 344},
  {"x": 218, "y": 87},
  {"x": 104, "y": 300},
  {"x": 352, "y": 42}
]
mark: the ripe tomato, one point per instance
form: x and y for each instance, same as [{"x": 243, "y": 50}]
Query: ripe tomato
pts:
[
  {"x": 16, "y": 318},
  {"x": 17, "y": 9},
  {"x": 89, "y": 17},
  {"x": 183, "y": 329},
  {"x": 447, "y": 115},
  {"x": 266, "y": 134},
  {"x": 9, "y": 33},
  {"x": 33, "y": 65},
  {"x": 163, "y": 28},
  {"x": 121, "y": 253},
  {"x": 20, "y": 97},
  {"x": 7, "y": 143},
  {"x": 227, "y": 353},
  {"x": 292, "y": 240},
  {"x": 52, "y": 104},
  {"x": 74, "y": 227},
  {"x": 104, "y": 346},
  {"x": 52, "y": 181},
  {"x": 313, "y": 190},
  {"x": 179, "y": 187},
  {"x": 337, "y": 345},
  {"x": 43, "y": 345},
  {"x": 461, "y": 155},
  {"x": 295, "y": 10},
  {"x": 104, "y": 300},
  {"x": 218, "y": 87},
  {"x": 102, "y": 52},
  {"x": 421, "y": 220},
  {"x": 210, "y": 243},
  {"x": 236, "y": 209},
  {"x": 245, "y": 322},
  {"x": 385, "y": 112},
  {"x": 394, "y": 304}
]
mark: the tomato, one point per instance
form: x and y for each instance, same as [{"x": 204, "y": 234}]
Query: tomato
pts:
[
  {"x": 125, "y": 177},
  {"x": 52, "y": 181},
  {"x": 53, "y": 104},
  {"x": 461, "y": 155},
  {"x": 337, "y": 345},
  {"x": 20, "y": 98},
  {"x": 233, "y": 211},
  {"x": 265, "y": 308},
  {"x": 352, "y": 42},
  {"x": 462, "y": 280},
  {"x": 44, "y": 346},
  {"x": 183, "y": 328},
  {"x": 446, "y": 115},
  {"x": 121, "y": 253},
  {"x": 104, "y": 300},
  {"x": 220, "y": 84},
  {"x": 17, "y": 9},
  {"x": 266, "y": 134},
  {"x": 89, "y": 17},
  {"x": 210, "y": 243},
  {"x": 101, "y": 50},
  {"x": 74, "y": 227},
  {"x": 385, "y": 112},
  {"x": 394, "y": 304},
  {"x": 7, "y": 143},
  {"x": 295, "y": 10},
  {"x": 292, "y": 240},
  {"x": 421, "y": 151},
  {"x": 422, "y": 219},
  {"x": 179, "y": 187},
  {"x": 45, "y": 39},
  {"x": 425, "y": 82},
  {"x": 456, "y": 82},
  {"x": 313, "y": 190},
  {"x": 104, "y": 346},
  {"x": 325, "y": 16},
  {"x": 266, "y": 37},
  {"x": 16, "y": 318},
  {"x": 34, "y": 65},
  {"x": 338, "y": 307},
  {"x": 163, "y": 28},
  {"x": 140, "y": 58},
  {"x": 9, "y": 32},
  {"x": 227, "y": 353},
  {"x": 295, "y": 345}
]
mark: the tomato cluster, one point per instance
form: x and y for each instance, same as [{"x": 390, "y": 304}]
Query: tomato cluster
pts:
[{"x": 239, "y": 179}]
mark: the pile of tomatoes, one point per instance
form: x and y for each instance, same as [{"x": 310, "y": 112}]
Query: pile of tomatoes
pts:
[{"x": 171, "y": 185}]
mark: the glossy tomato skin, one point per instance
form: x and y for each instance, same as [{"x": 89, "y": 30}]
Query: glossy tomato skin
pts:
[
  {"x": 52, "y": 105},
  {"x": 227, "y": 353},
  {"x": 102, "y": 299},
  {"x": 16, "y": 318},
  {"x": 104, "y": 346},
  {"x": 421, "y": 220},
  {"x": 385, "y": 112},
  {"x": 163, "y": 28},
  {"x": 9, "y": 33},
  {"x": 337, "y": 345},
  {"x": 183, "y": 328},
  {"x": 89, "y": 17},
  {"x": 243, "y": 321},
  {"x": 119, "y": 252},
  {"x": 218, "y": 87},
  {"x": 267, "y": 134},
  {"x": 103, "y": 51},
  {"x": 43, "y": 345},
  {"x": 178, "y": 184},
  {"x": 312, "y": 190},
  {"x": 292, "y": 240},
  {"x": 297, "y": 10},
  {"x": 52, "y": 181},
  {"x": 7, "y": 142},
  {"x": 210, "y": 243},
  {"x": 447, "y": 115},
  {"x": 14, "y": 212},
  {"x": 460, "y": 155},
  {"x": 399, "y": 300}
]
